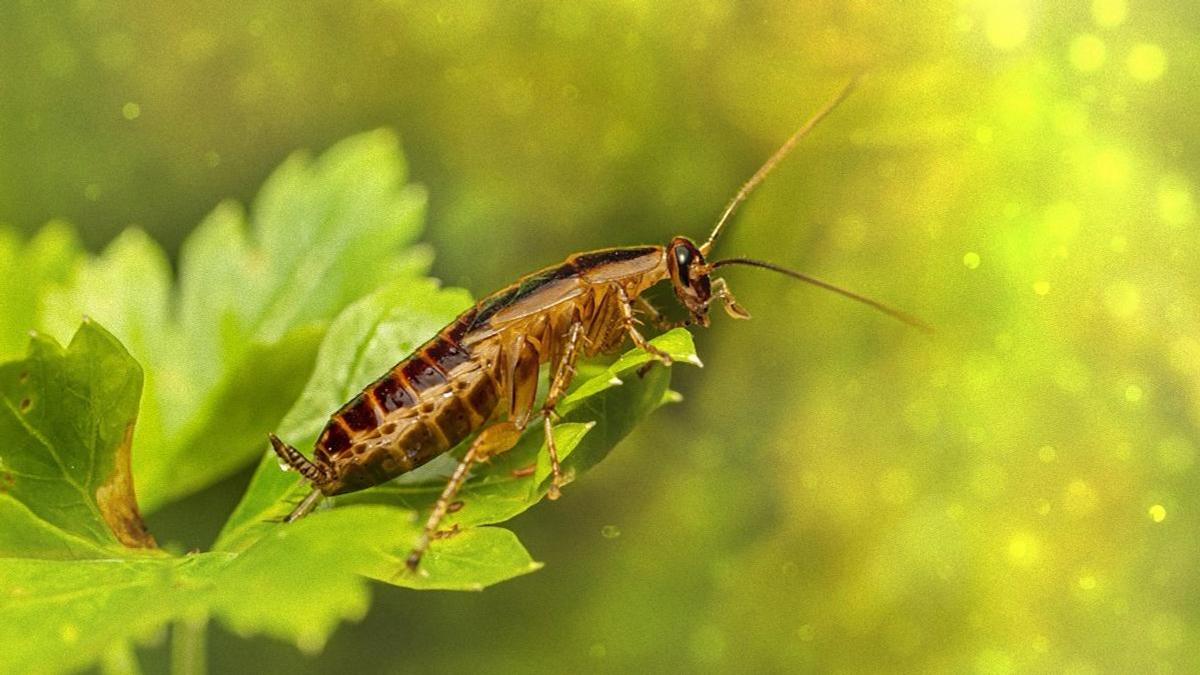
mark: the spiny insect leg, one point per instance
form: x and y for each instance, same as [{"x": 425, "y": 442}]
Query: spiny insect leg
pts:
[
  {"x": 660, "y": 322},
  {"x": 563, "y": 375},
  {"x": 732, "y": 308},
  {"x": 494, "y": 440},
  {"x": 305, "y": 507},
  {"x": 631, "y": 328}
]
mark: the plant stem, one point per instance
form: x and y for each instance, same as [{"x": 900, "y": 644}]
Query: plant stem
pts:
[{"x": 188, "y": 648}]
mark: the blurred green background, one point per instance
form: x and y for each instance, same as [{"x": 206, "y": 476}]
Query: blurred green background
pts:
[{"x": 836, "y": 492}]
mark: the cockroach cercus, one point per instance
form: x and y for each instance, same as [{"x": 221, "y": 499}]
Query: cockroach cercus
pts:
[{"x": 481, "y": 371}]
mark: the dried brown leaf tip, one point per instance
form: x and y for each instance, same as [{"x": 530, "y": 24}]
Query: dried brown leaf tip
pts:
[{"x": 117, "y": 501}]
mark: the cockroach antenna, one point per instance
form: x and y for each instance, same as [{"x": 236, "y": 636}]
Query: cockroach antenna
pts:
[
  {"x": 775, "y": 159},
  {"x": 754, "y": 182},
  {"x": 471, "y": 376},
  {"x": 897, "y": 314}
]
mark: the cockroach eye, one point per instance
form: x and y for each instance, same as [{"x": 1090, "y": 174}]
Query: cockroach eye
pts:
[
  {"x": 683, "y": 258},
  {"x": 447, "y": 390}
]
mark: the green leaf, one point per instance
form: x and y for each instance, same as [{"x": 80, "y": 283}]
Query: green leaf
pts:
[
  {"x": 593, "y": 423},
  {"x": 367, "y": 340},
  {"x": 59, "y": 615},
  {"x": 26, "y": 269},
  {"x": 363, "y": 343},
  {"x": 313, "y": 573},
  {"x": 67, "y": 421},
  {"x": 295, "y": 584},
  {"x": 229, "y": 347},
  {"x": 69, "y": 581},
  {"x": 471, "y": 560},
  {"x": 70, "y": 576}
]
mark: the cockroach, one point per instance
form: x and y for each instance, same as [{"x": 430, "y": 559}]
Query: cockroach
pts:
[{"x": 481, "y": 371}]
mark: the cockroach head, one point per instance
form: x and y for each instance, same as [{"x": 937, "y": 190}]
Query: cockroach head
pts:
[
  {"x": 690, "y": 271},
  {"x": 689, "y": 276}
]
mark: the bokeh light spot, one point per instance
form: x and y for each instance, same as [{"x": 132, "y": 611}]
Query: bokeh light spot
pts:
[
  {"x": 131, "y": 111},
  {"x": 1146, "y": 62},
  {"x": 1158, "y": 513},
  {"x": 1109, "y": 13},
  {"x": 1087, "y": 53},
  {"x": 1007, "y": 26},
  {"x": 69, "y": 633},
  {"x": 1080, "y": 499},
  {"x": 950, "y": 515},
  {"x": 1023, "y": 550},
  {"x": 1112, "y": 167}
]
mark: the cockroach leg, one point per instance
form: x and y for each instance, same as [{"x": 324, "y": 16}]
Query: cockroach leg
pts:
[
  {"x": 485, "y": 364},
  {"x": 659, "y": 321},
  {"x": 732, "y": 308},
  {"x": 558, "y": 386},
  {"x": 555, "y": 490},
  {"x": 305, "y": 507},
  {"x": 494, "y": 440},
  {"x": 524, "y": 471},
  {"x": 639, "y": 341}
]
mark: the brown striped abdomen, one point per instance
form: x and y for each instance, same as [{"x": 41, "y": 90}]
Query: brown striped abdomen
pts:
[
  {"x": 422, "y": 407},
  {"x": 451, "y": 386}
]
